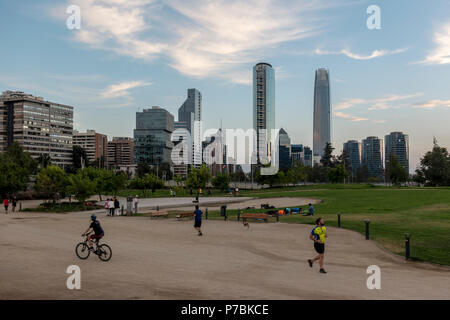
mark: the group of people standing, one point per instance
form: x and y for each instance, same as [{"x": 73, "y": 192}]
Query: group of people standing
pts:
[
  {"x": 7, "y": 202},
  {"x": 112, "y": 206}
]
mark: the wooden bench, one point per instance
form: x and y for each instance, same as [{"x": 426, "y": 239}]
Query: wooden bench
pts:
[
  {"x": 255, "y": 216},
  {"x": 159, "y": 214},
  {"x": 185, "y": 215}
]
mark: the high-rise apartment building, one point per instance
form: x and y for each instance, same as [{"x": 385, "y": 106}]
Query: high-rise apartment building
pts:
[
  {"x": 40, "y": 127},
  {"x": 95, "y": 144},
  {"x": 372, "y": 156},
  {"x": 152, "y": 136},
  {"x": 322, "y": 113},
  {"x": 353, "y": 150},
  {"x": 120, "y": 152},
  {"x": 397, "y": 144},
  {"x": 263, "y": 109}
]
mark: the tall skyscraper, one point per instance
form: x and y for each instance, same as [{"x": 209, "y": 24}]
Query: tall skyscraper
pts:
[
  {"x": 263, "y": 107},
  {"x": 189, "y": 114},
  {"x": 95, "y": 144},
  {"x": 152, "y": 136},
  {"x": 297, "y": 154},
  {"x": 353, "y": 150},
  {"x": 322, "y": 113},
  {"x": 40, "y": 127},
  {"x": 397, "y": 144},
  {"x": 372, "y": 156}
]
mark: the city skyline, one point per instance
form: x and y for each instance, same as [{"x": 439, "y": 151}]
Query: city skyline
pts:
[{"x": 392, "y": 79}]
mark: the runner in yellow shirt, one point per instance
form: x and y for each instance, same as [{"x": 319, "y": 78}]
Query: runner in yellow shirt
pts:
[{"x": 318, "y": 235}]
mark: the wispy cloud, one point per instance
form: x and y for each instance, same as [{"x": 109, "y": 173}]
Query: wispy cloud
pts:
[
  {"x": 374, "y": 54},
  {"x": 382, "y": 103},
  {"x": 122, "y": 89},
  {"x": 440, "y": 54},
  {"x": 349, "y": 117},
  {"x": 197, "y": 38},
  {"x": 431, "y": 104}
]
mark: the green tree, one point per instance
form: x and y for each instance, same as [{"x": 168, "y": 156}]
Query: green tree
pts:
[
  {"x": 434, "y": 169},
  {"x": 52, "y": 181},
  {"x": 337, "y": 174},
  {"x": 44, "y": 160},
  {"x": 221, "y": 181},
  {"x": 142, "y": 169},
  {"x": 81, "y": 187},
  {"x": 151, "y": 182},
  {"x": 327, "y": 159},
  {"x": 16, "y": 166},
  {"x": 198, "y": 177},
  {"x": 79, "y": 157},
  {"x": 395, "y": 172}
]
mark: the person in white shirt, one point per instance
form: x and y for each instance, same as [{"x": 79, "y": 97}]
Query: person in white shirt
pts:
[
  {"x": 111, "y": 207},
  {"x": 135, "y": 203}
]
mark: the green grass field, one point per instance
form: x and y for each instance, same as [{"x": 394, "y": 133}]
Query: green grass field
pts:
[{"x": 424, "y": 213}]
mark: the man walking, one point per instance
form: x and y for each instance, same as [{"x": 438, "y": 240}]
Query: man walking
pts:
[
  {"x": 111, "y": 207},
  {"x": 318, "y": 235},
  {"x": 198, "y": 220},
  {"x": 14, "y": 203}
]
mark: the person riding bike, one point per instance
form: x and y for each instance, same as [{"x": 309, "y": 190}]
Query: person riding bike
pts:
[{"x": 98, "y": 231}]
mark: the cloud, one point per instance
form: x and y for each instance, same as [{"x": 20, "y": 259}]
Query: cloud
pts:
[
  {"x": 122, "y": 89},
  {"x": 433, "y": 104},
  {"x": 373, "y": 55},
  {"x": 382, "y": 103},
  {"x": 440, "y": 54},
  {"x": 349, "y": 117},
  {"x": 197, "y": 38}
]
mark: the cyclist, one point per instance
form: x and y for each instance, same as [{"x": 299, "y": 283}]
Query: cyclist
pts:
[{"x": 98, "y": 231}]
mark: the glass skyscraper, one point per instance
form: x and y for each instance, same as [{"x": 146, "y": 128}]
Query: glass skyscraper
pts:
[
  {"x": 372, "y": 156},
  {"x": 397, "y": 144},
  {"x": 263, "y": 108},
  {"x": 322, "y": 113},
  {"x": 152, "y": 136},
  {"x": 353, "y": 150}
]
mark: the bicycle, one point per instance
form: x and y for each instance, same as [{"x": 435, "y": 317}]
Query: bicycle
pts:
[{"x": 103, "y": 251}]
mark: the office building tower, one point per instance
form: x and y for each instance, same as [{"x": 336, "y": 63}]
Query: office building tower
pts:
[
  {"x": 372, "y": 156},
  {"x": 284, "y": 147},
  {"x": 95, "y": 144},
  {"x": 120, "y": 152},
  {"x": 189, "y": 117},
  {"x": 263, "y": 109},
  {"x": 307, "y": 156},
  {"x": 397, "y": 144},
  {"x": 353, "y": 150},
  {"x": 152, "y": 136},
  {"x": 322, "y": 114},
  {"x": 40, "y": 127},
  {"x": 297, "y": 154}
]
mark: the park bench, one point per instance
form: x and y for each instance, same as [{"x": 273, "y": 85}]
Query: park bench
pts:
[
  {"x": 182, "y": 215},
  {"x": 159, "y": 214},
  {"x": 255, "y": 216}
]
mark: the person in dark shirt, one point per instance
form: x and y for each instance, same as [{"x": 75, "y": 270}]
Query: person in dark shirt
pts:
[
  {"x": 96, "y": 227},
  {"x": 198, "y": 220}
]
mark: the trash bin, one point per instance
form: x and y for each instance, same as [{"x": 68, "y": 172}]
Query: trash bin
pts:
[{"x": 223, "y": 211}]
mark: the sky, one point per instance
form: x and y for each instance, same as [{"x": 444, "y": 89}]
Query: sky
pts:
[{"x": 134, "y": 54}]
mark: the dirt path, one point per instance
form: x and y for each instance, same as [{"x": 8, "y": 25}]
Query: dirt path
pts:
[{"x": 165, "y": 259}]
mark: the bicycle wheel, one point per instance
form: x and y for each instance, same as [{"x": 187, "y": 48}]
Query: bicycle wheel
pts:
[
  {"x": 104, "y": 252},
  {"x": 82, "y": 250}
]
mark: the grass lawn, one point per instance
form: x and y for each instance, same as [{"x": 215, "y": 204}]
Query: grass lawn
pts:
[{"x": 424, "y": 213}]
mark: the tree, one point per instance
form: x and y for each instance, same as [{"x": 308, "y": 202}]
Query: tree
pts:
[
  {"x": 81, "y": 187},
  {"x": 142, "y": 169},
  {"x": 362, "y": 174},
  {"x": 198, "y": 177},
  {"x": 327, "y": 159},
  {"x": 152, "y": 182},
  {"x": 79, "y": 157},
  {"x": 52, "y": 181},
  {"x": 44, "y": 160},
  {"x": 395, "y": 172},
  {"x": 434, "y": 169},
  {"x": 221, "y": 182},
  {"x": 337, "y": 174},
  {"x": 16, "y": 166}
]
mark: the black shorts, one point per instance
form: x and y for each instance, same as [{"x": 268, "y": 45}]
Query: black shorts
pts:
[
  {"x": 197, "y": 223},
  {"x": 320, "y": 247}
]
